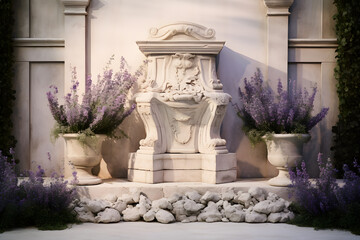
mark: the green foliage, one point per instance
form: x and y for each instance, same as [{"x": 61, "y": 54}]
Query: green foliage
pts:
[
  {"x": 7, "y": 94},
  {"x": 38, "y": 216},
  {"x": 336, "y": 219},
  {"x": 347, "y": 73}
]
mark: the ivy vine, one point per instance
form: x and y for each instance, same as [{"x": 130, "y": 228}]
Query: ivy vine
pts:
[
  {"x": 7, "y": 94},
  {"x": 347, "y": 73}
]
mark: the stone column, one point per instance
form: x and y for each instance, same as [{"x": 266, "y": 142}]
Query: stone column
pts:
[
  {"x": 75, "y": 49},
  {"x": 75, "y": 41},
  {"x": 277, "y": 40}
]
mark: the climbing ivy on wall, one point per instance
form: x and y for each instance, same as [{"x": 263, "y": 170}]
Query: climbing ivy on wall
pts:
[
  {"x": 347, "y": 73},
  {"x": 7, "y": 94}
]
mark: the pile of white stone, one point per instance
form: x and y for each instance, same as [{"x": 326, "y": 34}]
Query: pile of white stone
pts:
[{"x": 254, "y": 206}]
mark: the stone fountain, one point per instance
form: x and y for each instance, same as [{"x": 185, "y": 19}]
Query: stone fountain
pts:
[{"x": 182, "y": 105}]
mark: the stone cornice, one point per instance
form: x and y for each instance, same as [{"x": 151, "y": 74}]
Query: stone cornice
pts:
[
  {"x": 184, "y": 46},
  {"x": 75, "y": 7},
  {"x": 278, "y": 7}
]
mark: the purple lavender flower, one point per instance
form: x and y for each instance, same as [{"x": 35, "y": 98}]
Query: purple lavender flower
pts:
[
  {"x": 102, "y": 108},
  {"x": 324, "y": 195},
  {"x": 262, "y": 111}
]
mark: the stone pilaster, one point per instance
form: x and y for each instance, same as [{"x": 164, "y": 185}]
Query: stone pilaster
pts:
[
  {"x": 75, "y": 49},
  {"x": 75, "y": 40},
  {"x": 277, "y": 40}
]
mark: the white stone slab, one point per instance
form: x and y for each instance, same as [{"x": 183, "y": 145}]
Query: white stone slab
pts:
[{"x": 118, "y": 187}]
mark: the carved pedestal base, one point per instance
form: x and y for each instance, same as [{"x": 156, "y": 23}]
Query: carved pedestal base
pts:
[
  {"x": 182, "y": 105},
  {"x": 207, "y": 168}
]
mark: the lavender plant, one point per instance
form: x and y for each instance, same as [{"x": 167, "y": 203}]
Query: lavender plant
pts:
[
  {"x": 264, "y": 112},
  {"x": 33, "y": 202},
  {"x": 321, "y": 202},
  {"x": 102, "y": 108}
]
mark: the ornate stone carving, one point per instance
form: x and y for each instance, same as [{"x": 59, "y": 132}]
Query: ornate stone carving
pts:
[
  {"x": 191, "y": 30},
  {"x": 181, "y": 103}
]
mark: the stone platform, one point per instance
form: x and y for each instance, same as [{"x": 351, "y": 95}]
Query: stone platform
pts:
[{"x": 156, "y": 191}]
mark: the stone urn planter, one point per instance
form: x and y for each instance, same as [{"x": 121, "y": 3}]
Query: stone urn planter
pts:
[
  {"x": 84, "y": 155},
  {"x": 284, "y": 151}
]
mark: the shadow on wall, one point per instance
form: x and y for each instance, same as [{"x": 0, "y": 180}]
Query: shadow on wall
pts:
[
  {"x": 116, "y": 152},
  {"x": 252, "y": 161}
]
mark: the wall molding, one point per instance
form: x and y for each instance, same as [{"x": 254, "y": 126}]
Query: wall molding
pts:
[
  {"x": 278, "y": 7},
  {"x": 75, "y": 7},
  {"x": 312, "y": 43},
  {"x": 39, "y": 42}
]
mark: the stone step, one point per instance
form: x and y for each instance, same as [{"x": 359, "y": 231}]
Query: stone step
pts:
[{"x": 119, "y": 186}]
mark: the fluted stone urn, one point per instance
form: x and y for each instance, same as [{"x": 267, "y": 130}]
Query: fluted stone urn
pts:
[{"x": 182, "y": 105}]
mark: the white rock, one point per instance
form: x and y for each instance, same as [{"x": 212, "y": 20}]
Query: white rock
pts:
[
  {"x": 272, "y": 197},
  {"x": 222, "y": 211},
  {"x": 80, "y": 209},
  {"x": 161, "y": 203},
  {"x": 257, "y": 193},
  {"x": 135, "y": 193},
  {"x": 268, "y": 206},
  {"x": 234, "y": 213},
  {"x": 192, "y": 207},
  {"x": 274, "y": 217},
  {"x": 192, "y": 218},
  {"x": 111, "y": 198},
  {"x": 131, "y": 214},
  {"x": 174, "y": 198},
  {"x": 127, "y": 199},
  {"x": 180, "y": 217},
  {"x": 109, "y": 215},
  {"x": 189, "y": 219},
  {"x": 96, "y": 206},
  {"x": 254, "y": 217},
  {"x": 220, "y": 203},
  {"x": 120, "y": 206},
  {"x": 210, "y": 196},
  {"x": 193, "y": 195},
  {"x": 164, "y": 216},
  {"x": 225, "y": 220},
  {"x": 244, "y": 199},
  {"x": 226, "y": 204},
  {"x": 281, "y": 217},
  {"x": 237, "y": 216},
  {"x": 287, "y": 203},
  {"x": 83, "y": 201},
  {"x": 228, "y": 195},
  {"x": 85, "y": 216},
  {"x": 185, "y": 220},
  {"x": 250, "y": 209},
  {"x": 149, "y": 216},
  {"x": 144, "y": 205},
  {"x": 178, "y": 208},
  {"x": 210, "y": 213}
]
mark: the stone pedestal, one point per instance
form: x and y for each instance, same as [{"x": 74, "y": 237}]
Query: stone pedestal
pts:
[{"x": 182, "y": 105}]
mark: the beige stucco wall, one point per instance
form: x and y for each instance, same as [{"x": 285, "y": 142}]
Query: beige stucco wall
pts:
[{"x": 113, "y": 26}]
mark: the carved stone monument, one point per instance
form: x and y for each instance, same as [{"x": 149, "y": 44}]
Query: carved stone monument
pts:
[{"x": 182, "y": 105}]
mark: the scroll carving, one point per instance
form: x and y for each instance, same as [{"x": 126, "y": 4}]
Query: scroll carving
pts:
[{"x": 191, "y": 30}]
